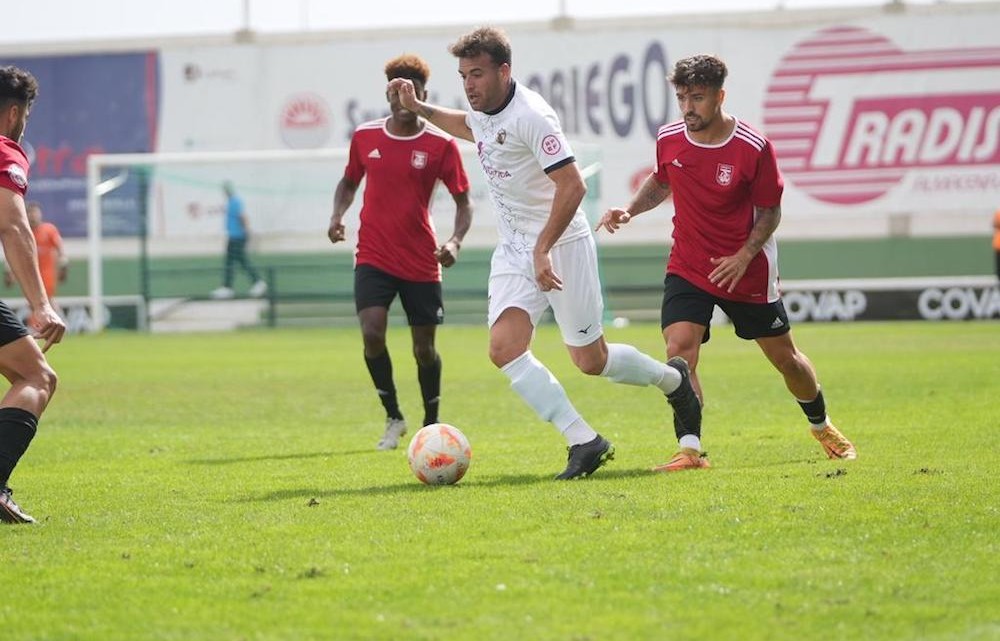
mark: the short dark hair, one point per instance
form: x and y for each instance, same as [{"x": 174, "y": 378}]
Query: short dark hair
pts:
[
  {"x": 408, "y": 66},
  {"x": 489, "y": 40},
  {"x": 702, "y": 70},
  {"x": 17, "y": 85}
]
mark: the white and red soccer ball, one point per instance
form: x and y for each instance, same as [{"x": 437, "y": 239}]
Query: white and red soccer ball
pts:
[{"x": 439, "y": 454}]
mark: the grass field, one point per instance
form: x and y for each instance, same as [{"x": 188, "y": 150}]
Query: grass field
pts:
[{"x": 226, "y": 487}]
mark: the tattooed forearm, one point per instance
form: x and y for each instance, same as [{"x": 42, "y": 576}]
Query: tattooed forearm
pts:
[
  {"x": 767, "y": 221},
  {"x": 650, "y": 194}
]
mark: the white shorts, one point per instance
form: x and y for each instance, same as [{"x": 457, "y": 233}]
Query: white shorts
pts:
[{"x": 578, "y": 308}]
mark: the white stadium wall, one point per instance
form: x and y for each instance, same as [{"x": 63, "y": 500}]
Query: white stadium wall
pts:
[{"x": 886, "y": 122}]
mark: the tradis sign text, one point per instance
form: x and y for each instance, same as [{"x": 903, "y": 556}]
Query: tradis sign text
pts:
[{"x": 850, "y": 113}]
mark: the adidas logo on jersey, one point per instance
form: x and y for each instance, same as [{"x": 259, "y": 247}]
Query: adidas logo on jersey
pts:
[{"x": 374, "y": 153}]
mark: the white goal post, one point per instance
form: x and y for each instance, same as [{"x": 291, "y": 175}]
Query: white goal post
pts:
[
  {"x": 97, "y": 187},
  {"x": 174, "y": 203}
]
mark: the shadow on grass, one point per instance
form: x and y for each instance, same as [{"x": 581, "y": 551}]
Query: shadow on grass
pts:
[
  {"x": 414, "y": 487},
  {"x": 279, "y": 457},
  {"x": 779, "y": 462}
]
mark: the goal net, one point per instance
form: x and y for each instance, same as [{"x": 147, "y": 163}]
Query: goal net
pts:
[{"x": 156, "y": 222}]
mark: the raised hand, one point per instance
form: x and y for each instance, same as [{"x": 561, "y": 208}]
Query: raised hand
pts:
[{"x": 403, "y": 88}]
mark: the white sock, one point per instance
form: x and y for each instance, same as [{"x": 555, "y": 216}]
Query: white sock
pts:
[
  {"x": 536, "y": 385},
  {"x": 579, "y": 432},
  {"x": 629, "y": 366},
  {"x": 691, "y": 442}
]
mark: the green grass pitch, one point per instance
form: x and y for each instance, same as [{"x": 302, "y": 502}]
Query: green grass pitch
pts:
[{"x": 226, "y": 487}]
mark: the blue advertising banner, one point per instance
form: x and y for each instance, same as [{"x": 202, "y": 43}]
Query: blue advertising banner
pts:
[{"x": 97, "y": 103}]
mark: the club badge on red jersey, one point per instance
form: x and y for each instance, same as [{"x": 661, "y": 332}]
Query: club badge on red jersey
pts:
[
  {"x": 418, "y": 159},
  {"x": 724, "y": 174},
  {"x": 16, "y": 173}
]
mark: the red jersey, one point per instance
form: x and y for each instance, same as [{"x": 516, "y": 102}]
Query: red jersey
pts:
[
  {"x": 715, "y": 189},
  {"x": 13, "y": 166},
  {"x": 396, "y": 233}
]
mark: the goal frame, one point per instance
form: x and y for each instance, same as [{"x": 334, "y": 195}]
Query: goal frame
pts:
[
  {"x": 484, "y": 234},
  {"x": 98, "y": 162}
]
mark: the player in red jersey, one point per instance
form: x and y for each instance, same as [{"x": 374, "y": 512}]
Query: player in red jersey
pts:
[
  {"x": 32, "y": 381},
  {"x": 726, "y": 187},
  {"x": 402, "y": 157}
]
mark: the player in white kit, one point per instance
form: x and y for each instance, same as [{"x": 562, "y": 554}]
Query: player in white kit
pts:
[{"x": 546, "y": 257}]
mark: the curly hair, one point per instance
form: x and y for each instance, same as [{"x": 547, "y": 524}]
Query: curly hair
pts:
[
  {"x": 702, "y": 70},
  {"x": 489, "y": 40},
  {"x": 409, "y": 66},
  {"x": 17, "y": 85}
]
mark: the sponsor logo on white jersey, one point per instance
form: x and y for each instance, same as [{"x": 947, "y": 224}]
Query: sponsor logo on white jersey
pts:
[{"x": 551, "y": 145}]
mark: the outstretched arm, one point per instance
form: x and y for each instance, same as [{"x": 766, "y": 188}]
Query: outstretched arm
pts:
[
  {"x": 22, "y": 258},
  {"x": 451, "y": 120},
  {"x": 730, "y": 269},
  {"x": 651, "y": 193}
]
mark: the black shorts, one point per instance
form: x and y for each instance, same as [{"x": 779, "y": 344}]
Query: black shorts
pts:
[
  {"x": 422, "y": 302},
  {"x": 682, "y": 301},
  {"x": 11, "y": 327}
]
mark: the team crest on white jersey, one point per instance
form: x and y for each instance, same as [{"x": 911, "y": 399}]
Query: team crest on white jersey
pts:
[
  {"x": 17, "y": 174},
  {"x": 551, "y": 145},
  {"x": 724, "y": 174},
  {"x": 501, "y": 136},
  {"x": 419, "y": 159}
]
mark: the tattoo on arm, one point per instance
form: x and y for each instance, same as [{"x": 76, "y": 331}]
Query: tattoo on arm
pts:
[
  {"x": 650, "y": 194},
  {"x": 427, "y": 111},
  {"x": 767, "y": 221},
  {"x": 652, "y": 198}
]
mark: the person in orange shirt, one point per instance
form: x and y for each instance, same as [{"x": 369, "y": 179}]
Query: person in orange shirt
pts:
[
  {"x": 52, "y": 261},
  {"x": 996, "y": 239}
]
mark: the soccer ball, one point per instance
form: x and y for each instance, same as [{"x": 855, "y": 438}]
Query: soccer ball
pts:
[{"x": 439, "y": 454}]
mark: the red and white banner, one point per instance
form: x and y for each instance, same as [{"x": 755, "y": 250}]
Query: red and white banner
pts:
[{"x": 887, "y": 123}]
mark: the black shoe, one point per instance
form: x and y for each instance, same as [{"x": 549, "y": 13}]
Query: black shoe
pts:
[
  {"x": 9, "y": 511},
  {"x": 687, "y": 407},
  {"x": 585, "y": 458}
]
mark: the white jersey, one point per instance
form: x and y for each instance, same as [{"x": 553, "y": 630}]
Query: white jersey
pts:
[{"x": 517, "y": 146}]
